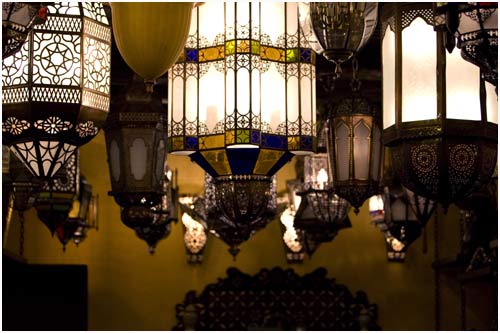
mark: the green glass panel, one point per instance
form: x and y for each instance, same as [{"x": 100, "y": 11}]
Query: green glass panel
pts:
[
  {"x": 242, "y": 136},
  {"x": 292, "y": 55},
  {"x": 230, "y": 47},
  {"x": 255, "y": 47}
]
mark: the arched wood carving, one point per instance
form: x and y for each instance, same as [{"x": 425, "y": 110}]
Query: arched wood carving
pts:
[{"x": 276, "y": 299}]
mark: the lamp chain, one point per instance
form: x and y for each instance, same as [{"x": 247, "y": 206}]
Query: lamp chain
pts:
[
  {"x": 355, "y": 83},
  {"x": 21, "y": 234}
]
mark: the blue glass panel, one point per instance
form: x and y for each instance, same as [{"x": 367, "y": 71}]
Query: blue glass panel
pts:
[
  {"x": 273, "y": 141},
  {"x": 191, "y": 55},
  {"x": 306, "y": 143},
  {"x": 305, "y": 55},
  {"x": 242, "y": 160},
  {"x": 191, "y": 143},
  {"x": 255, "y": 137}
]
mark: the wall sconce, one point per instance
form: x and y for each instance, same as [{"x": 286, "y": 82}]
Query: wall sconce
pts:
[
  {"x": 81, "y": 218},
  {"x": 55, "y": 90},
  {"x": 56, "y": 196},
  {"x": 292, "y": 238},
  {"x": 439, "y": 116},
  {"x": 475, "y": 25},
  {"x": 195, "y": 239},
  {"x": 18, "y": 19},
  {"x": 242, "y": 99},
  {"x": 135, "y": 143},
  {"x": 143, "y": 29},
  {"x": 337, "y": 30}
]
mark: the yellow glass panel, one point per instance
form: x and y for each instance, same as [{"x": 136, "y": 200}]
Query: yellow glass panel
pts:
[
  {"x": 243, "y": 136},
  {"x": 272, "y": 53},
  {"x": 243, "y": 46},
  {"x": 230, "y": 138},
  {"x": 212, "y": 141},
  {"x": 218, "y": 160},
  {"x": 267, "y": 159},
  {"x": 177, "y": 143},
  {"x": 230, "y": 47},
  {"x": 211, "y": 53},
  {"x": 293, "y": 143}
]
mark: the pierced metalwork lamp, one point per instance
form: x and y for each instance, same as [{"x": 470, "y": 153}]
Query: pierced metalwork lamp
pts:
[
  {"x": 136, "y": 137},
  {"x": 81, "y": 218},
  {"x": 56, "y": 196},
  {"x": 337, "y": 30},
  {"x": 55, "y": 90},
  {"x": 473, "y": 28},
  {"x": 242, "y": 99},
  {"x": 195, "y": 238},
  {"x": 18, "y": 18},
  {"x": 354, "y": 146},
  {"x": 439, "y": 115}
]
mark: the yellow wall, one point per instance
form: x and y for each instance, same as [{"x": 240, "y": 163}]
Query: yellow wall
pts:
[{"x": 129, "y": 289}]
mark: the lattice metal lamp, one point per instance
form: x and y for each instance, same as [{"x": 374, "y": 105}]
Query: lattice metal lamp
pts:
[
  {"x": 337, "y": 30},
  {"x": 56, "y": 197},
  {"x": 439, "y": 116},
  {"x": 55, "y": 90},
  {"x": 81, "y": 218},
  {"x": 195, "y": 238},
  {"x": 136, "y": 137},
  {"x": 475, "y": 26},
  {"x": 242, "y": 99},
  {"x": 18, "y": 18}
]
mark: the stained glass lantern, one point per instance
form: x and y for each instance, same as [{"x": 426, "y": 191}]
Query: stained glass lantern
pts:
[
  {"x": 439, "y": 115},
  {"x": 56, "y": 197},
  {"x": 242, "y": 99},
  {"x": 81, "y": 218},
  {"x": 55, "y": 90},
  {"x": 475, "y": 25},
  {"x": 151, "y": 35},
  {"x": 18, "y": 18},
  {"x": 355, "y": 149},
  {"x": 136, "y": 136},
  {"x": 337, "y": 30}
]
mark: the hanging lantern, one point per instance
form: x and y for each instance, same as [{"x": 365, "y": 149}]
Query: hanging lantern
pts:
[
  {"x": 135, "y": 142},
  {"x": 83, "y": 216},
  {"x": 475, "y": 24},
  {"x": 354, "y": 145},
  {"x": 55, "y": 90},
  {"x": 439, "y": 115},
  {"x": 242, "y": 99},
  {"x": 151, "y": 35},
  {"x": 56, "y": 197},
  {"x": 376, "y": 209},
  {"x": 337, "y": 30},
  {"x": 396, "y": 250},
  {"x": 18, "y": 18}
]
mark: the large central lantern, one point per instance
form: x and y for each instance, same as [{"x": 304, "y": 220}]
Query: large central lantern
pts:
[{"x": 242, "y": 98}]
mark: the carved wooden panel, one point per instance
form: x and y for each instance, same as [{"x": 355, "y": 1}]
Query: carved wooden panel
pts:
[{"x": 276, "y": 299}]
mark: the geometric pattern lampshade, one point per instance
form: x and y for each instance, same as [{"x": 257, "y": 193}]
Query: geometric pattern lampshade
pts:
[
  {"x": 439, "y": 115},
  {"x": 242, "y": 96},
  {"x": 55, "y": 90}
]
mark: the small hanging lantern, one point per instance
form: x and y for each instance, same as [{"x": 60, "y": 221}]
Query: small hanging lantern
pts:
[
  {"x": 337, "y": 30},
  {"x": 56, "y": 196},
  {"x": 135, "y": 143},
  {"x": 396, "y": 250},
  {"x": 18, "y": 18},
  {"x": 151, "y": 35},
  {"x": 354, "y": 145},
  {"x": 83, "y": 216},
  {"x": 195, "y": 239},
  {"x": 242, "y": 99},
  {"x": 439, "y": 115},
  {"x": 475, "y": 25},
  {"x": 55, "y": 90}
]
